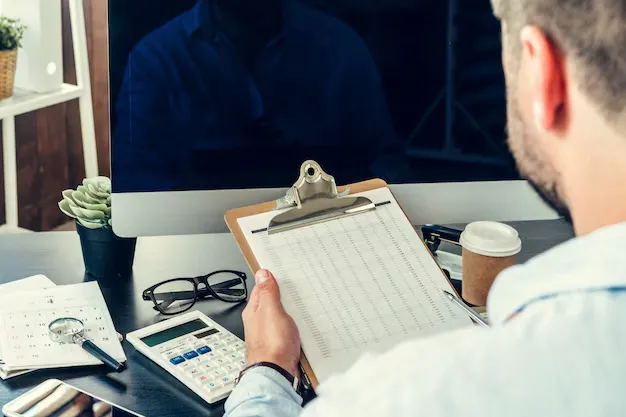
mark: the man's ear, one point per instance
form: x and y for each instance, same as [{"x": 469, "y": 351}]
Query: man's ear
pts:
[{"x": 545, "y": 73}]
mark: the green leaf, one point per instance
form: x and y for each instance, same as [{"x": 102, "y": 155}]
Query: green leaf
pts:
[
  {"x": 64, "y": 205},
  {"x": 97, "y": 207},
  {"x": 84, "y": 213},
  {"x": 90, "y": 225},
  {"x": 80, "y": 197},
  {"x": 68, "y": 194},
  {"x": 93, "y": 190},
  {"x": 98, "y": 200},
  {"x": 100, "y": 183}
]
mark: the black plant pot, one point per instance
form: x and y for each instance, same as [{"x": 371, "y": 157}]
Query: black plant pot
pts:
[{"x": 104, "y": 253}]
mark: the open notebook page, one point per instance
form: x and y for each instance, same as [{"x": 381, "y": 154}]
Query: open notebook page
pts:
[
  {"x": 24, "y": 320},
  {"x": 354, "y": 285},
  {"x": 37, "y": 282}
]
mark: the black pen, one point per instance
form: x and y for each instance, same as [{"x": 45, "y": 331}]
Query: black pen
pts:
[{"x": 473, "y": 314}]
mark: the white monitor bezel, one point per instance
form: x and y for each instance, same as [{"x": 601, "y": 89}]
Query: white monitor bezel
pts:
[{"x": 201, "y": 212}]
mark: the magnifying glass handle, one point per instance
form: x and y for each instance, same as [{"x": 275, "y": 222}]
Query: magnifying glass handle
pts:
[{"x": 91, "y": 347}]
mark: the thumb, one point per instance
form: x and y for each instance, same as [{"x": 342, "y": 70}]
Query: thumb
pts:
[{"x": 266, "y": 288}]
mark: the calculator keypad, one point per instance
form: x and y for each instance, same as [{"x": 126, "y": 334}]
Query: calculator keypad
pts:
[
  {"x": 203, "y": 350},
  {"x": 190, "y": 355},
  {"x": 177, "y": 360},
  {"x": 212, "y": 363}
]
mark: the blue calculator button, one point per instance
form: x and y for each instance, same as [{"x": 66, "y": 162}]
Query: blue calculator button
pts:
[
  {"x": 203, "y": 350},
  {"x": 190, "y": 355},
  {"x": 177, "y": 359}
]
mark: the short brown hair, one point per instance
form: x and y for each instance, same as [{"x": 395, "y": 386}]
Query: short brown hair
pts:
[{"x": 591, "y": 32}]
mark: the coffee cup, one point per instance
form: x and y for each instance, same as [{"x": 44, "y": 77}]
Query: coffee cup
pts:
[{"x": 488, "y": 249}]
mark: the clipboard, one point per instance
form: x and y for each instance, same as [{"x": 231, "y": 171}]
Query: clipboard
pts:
[{"x": 314, "y": 198}]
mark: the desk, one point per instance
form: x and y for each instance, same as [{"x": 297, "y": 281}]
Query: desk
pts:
[{"x": 144, "y": 387}]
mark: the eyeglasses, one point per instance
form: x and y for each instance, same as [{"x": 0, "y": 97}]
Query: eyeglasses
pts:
[{"x": 180, "y": 294}]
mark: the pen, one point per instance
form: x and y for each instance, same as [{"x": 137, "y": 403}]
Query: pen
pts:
[{"x": 474, "y": 315}]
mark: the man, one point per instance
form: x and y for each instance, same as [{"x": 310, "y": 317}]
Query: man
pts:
[
  {"x": 557, "y": 342},
  {"x": 232, "y": 79}
]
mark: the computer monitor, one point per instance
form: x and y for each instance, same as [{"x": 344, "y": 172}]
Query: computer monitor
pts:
[{"x": 216, "y": 103}]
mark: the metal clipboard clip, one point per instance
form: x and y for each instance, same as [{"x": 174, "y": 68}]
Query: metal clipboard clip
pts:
[{"x": 315, "y": 199}]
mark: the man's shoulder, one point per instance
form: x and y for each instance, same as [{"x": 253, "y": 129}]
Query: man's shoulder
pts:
[
  {"x": 308, "y": 20},
  {"x": 167, "y": 39},
  {"x": 521, "y": 368}
]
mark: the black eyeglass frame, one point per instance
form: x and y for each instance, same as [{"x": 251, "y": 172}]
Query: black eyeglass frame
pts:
[{"x": 148, "y": 293}]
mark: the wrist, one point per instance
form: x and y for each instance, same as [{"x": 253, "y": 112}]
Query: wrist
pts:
[
  {"x": 290, "y": 366},
  {"x": 292, "y": 378}
]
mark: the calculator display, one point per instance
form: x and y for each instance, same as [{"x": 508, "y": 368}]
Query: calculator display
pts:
[
  {"x": 207, "y": 333},
  {"x": 173, "y": 333}
]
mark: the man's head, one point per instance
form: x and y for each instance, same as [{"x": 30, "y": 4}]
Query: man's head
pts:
[
  {"x": 252, "y": 12},
  {"x": 565, "y": 66},
  {"x": 251, "y": 24}
]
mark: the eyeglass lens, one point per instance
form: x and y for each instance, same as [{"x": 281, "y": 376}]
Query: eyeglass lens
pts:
[
  {"x": 175, "y": 296},
  {"x": 227, "y": 286}
]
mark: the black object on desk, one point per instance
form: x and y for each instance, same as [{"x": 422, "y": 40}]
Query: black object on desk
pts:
[
  {"x": 434, "y": 234},
  {"x": 68, "y": 330},
  {"x": 104, "y": 253},
  {"x": 179, "y": 295}
]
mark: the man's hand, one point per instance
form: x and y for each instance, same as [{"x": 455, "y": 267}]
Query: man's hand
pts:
[{"x": 271, "y": 334}]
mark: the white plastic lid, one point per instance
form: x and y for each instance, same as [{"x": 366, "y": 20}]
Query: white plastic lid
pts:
[{"x": 491, "y": 239}]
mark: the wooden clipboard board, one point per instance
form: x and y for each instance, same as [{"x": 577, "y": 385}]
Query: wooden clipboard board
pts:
[{"x": 232, "y": 216}]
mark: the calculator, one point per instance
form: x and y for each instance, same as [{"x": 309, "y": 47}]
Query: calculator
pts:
[{"x": 196, "y": 350}]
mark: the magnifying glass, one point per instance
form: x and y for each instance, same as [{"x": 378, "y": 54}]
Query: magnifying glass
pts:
[{"x": 70, "y": 330}]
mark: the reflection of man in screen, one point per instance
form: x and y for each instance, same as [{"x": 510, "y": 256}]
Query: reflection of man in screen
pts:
[{"x": 243, "y": 74}]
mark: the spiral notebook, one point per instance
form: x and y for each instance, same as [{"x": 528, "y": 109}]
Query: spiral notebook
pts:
[{"x": 353, "y": 285}]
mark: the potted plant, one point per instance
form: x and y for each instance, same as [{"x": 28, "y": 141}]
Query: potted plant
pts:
[
  {"x": 104, "y": 253},
  {"x": 11, "y": 35}
]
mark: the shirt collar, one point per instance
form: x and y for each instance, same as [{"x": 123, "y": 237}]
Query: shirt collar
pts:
[
  {"x": 589, "y": 263},
  {"x": 201, "y": 19},
  {"x": 195, "y": 17}
]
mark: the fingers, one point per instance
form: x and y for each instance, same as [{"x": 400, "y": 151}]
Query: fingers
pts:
[
  {"x": 267, "y": 288},
  {"x": 265, "y": 293}
]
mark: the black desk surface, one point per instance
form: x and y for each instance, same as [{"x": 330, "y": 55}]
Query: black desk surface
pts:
[{"x": 144, "y": 387}]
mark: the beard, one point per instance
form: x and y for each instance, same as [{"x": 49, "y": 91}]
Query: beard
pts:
[
  {"x": 531, "y": 164},
  {"x": 553, "y": 200}
]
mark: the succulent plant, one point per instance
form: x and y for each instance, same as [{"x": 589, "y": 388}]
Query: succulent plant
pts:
[{"x": 90, "y": 203}]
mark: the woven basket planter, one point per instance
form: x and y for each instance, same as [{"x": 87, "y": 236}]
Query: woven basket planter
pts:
[{"x": 8, "y": 65}]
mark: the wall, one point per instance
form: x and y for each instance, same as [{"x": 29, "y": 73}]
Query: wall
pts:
[{"x": 49, "y": 141}]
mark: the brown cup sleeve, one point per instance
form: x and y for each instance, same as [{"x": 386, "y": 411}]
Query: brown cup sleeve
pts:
[{"x": 479, "y": 273}]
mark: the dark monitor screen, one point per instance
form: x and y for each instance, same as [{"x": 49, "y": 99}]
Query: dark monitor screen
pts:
[{"x": 230, "y": 94}]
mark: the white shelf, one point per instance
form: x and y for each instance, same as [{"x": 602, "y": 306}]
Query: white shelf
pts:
[
  {"x": 5, "y": 229},
  {"x": 28, "y": 101}
]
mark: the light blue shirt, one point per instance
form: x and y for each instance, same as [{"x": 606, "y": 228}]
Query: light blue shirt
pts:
[{"x": 557, "y": 347}]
